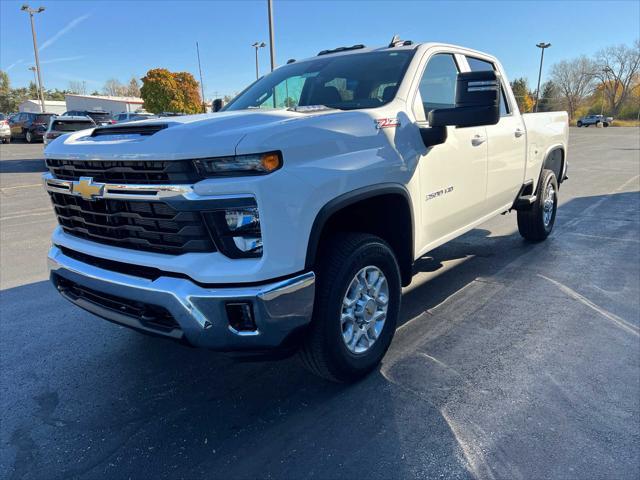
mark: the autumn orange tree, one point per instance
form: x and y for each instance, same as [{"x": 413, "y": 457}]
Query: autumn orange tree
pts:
[{"x": 165, "y": 91}]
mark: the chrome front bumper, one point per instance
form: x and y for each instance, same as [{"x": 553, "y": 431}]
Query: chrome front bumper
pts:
[{"x": 279, "y": 308}]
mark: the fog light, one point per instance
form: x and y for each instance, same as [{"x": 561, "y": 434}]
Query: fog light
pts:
[{"x": 240, "y": 315}]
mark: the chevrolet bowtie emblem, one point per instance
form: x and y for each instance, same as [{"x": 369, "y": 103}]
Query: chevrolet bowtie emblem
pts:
[{"x": 87, "y": 189}]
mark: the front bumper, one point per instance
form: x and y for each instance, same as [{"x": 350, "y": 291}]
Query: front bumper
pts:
[{"x": 279, "y": 308}]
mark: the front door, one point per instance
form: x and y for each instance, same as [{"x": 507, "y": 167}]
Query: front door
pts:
[
  {"x": 453, "y": 175},
  {"x": 507, "y": 148}
]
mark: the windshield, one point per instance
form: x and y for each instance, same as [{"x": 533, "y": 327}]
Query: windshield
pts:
[
  {"x": 346, "y": 82},
  {"x": 71, "y": 125},
  {"x": 43, "y": 118}
]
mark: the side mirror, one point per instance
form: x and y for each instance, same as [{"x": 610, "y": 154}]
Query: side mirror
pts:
[{"x": 477, "y": 102}]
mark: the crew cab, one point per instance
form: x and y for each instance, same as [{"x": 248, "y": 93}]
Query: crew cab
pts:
[{"x": 290, "y": 220}]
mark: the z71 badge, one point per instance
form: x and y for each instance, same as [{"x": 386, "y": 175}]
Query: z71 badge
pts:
[
  {"x": 439, "y": 193},
  {"x": 387, "y": 122}
]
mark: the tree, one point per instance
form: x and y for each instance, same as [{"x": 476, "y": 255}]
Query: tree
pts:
[
  {"x": 5, "y": 92},
  {"x": 114, "y": 88},
  {"x": 574, "y": 80},
  {"x": 133, "y": 89},
  {"x": 616, "y": 67},
  {"x": 78, "y": 87},
  {"x": 523, "y": 96},
  {"x": 548, "y": 100},
  {"x": 164, "y": 91}
]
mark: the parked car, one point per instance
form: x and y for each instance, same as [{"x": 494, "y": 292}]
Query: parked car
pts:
[
  {"x": 594, "y": 120},
  {"x": 99, "y": 116},
  {"x": 29, "y": 126},
  {"x": 295, "y": 228},
  {"x": 66, "y": 124},
  {"x": 132, "y": 116},
  {"x": 5, "y": 130}
]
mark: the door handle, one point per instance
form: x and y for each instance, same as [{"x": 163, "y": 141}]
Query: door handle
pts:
[
  {"x": 478, "y": 140},
  {"x": 519, "y": 132}
]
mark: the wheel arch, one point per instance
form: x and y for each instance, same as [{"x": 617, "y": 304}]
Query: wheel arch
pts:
[
  {"x": 383, "y": 209},
  {"x": 555, "y": 160}
]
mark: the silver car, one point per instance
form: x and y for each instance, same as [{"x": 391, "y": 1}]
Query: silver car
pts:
[
  {"x": 66, "y": 124},
  {"x": 5, "y": 130},
  {"x": 594, "y": 120}
]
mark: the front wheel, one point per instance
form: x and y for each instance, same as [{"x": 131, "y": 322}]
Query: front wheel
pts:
[
  {"x": 28, "y": 136},
  {"x": 356, "y": 308},
  {"x": 536, "y": 223}
]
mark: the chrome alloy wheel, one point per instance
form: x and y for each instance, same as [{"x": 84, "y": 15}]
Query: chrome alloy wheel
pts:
[
  {"x": 364, "y": 309},
  {"x": 549, "y": 202}
]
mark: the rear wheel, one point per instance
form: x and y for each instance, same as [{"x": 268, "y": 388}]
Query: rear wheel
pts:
[
  {"x": 6, "y": 140},
  {"x": 605, "y": 124},
  {"x": 356, "y": 308},
  {"x": 536, "y": 223},
  {"x": 579, "y": 124}
]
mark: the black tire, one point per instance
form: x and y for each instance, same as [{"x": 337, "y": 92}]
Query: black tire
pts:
[
  {"x": 28, "y": 137},
  {"x": 324, "y": 351},
  {"x": 605, "y": 124},
  {"x": 579, "y": 124},
  {"x": 531, "y": 223}
]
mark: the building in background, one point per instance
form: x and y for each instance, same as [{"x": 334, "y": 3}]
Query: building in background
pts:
[
  {"x": 51, "y": 106},
  {"x": 113, "y": 105}
]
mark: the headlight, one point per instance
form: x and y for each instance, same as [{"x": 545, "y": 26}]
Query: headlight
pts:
[
  {"x": 258, "y": 164},
  {"x": 236, "y": 231}
]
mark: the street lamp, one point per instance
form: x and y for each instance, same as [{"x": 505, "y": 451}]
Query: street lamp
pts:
[
  {"x": 605, "y": 70},
  {"x": 541, "y": 46},
  {"x": 35, "y": 75},
  {"x": 258, "y": 45},
  {"x": 32, "y": 12}
]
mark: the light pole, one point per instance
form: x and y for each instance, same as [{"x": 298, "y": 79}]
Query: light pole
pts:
[
  {"x": 258, "y": 45},
  {"x": 272, "y": 48},
  {"x": 605, "y": 70},
  {"x": 35, "y": 76},
  {"x": 31, "y": 12},
  {"x": 541, "y": 46}
]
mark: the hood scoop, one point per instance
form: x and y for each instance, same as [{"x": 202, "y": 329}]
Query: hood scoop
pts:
[{"x": 143, "y": 130}]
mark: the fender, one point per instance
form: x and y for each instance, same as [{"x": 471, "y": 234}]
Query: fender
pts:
[
  {"x": 550, "y": 162},
  {"x": 351, "y": 198}
]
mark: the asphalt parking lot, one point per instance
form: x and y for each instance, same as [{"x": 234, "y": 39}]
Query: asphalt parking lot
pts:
[{"x": 512, "y": 360}]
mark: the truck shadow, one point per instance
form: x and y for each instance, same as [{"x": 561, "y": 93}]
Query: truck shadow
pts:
[{"x": 92, "y": 400}]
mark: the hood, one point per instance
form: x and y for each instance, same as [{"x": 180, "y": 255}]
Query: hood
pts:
[{"x": 172, "y": 138}]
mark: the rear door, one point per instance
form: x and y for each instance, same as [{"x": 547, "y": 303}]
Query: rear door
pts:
[
  {"x": 453, "y": 174},
  {"x": 507, "y": 145}
]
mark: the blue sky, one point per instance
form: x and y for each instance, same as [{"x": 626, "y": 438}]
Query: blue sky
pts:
[{"x": 94, "y": 41}]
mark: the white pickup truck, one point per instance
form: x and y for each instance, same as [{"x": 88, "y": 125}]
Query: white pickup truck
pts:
[{"x": 290, "y": 220}]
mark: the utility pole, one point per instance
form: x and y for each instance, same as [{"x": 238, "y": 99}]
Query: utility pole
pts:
[
  {"x": 271, "y": 46},
  {"x": 541, "y": 46},
  {"x": 31, "y": 12},
  {"x": 204, "y": 105},
  {"x": 258, "y": 45}
]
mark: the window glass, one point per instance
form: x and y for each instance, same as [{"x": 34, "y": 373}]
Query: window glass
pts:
[
  {"x": 438, "y": 83},
  {"x": 70, "y": 126},
  {"x": 346, "y": 82},
  {"x": 477, "y": 65}
]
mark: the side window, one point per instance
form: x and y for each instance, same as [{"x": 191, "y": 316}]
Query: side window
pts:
[
  {"x": 478, "y": 65},
  {"x": 438, "y": 83}
]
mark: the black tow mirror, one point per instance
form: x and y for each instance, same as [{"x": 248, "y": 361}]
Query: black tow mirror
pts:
[{"x": 477, "y": 102}]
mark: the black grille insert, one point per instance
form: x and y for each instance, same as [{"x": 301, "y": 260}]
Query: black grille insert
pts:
[
  {"x": 140, "y": 225},
  {"x": 150, "y": 316},
  {"x": 157, "y": 172}
]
